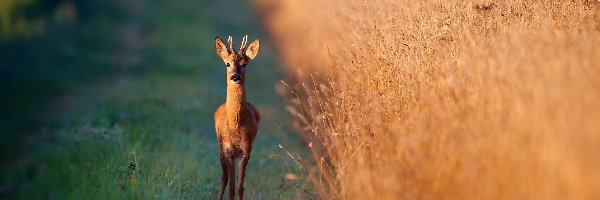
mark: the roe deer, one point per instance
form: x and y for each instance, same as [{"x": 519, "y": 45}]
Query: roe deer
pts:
[{"x": 236, "y": 121}]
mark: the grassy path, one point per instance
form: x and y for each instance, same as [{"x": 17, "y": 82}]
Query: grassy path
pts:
[{"x": 148, "y": 131}]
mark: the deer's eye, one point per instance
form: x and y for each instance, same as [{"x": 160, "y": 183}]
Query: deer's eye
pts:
[{"x": 227, "y": 64}]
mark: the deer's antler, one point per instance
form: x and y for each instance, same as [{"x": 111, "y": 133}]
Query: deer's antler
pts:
[
  {"x": 230, "y": 41},
  {"x": 244, "y": 42}
]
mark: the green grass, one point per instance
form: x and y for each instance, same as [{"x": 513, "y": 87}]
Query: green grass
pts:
[{"x": 147, "y": 131}]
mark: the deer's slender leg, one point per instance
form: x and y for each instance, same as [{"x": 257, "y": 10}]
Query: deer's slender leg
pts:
[
  {"x": 242, "y": 164},
  {"x": 224, "y": 178},
  {"x": 231, "y": 176}
]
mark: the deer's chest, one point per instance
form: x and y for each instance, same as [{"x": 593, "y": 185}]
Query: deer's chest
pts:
[{"x": 238, "y": 133}]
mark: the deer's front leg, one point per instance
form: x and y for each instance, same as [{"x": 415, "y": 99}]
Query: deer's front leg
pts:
[
  {"x": 243, "y": 162},
  {"x": 231, "y": 176},
  {"x": 224, "y": 178}
]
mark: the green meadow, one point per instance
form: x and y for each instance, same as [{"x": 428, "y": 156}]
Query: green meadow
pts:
[{"x": 117, "y": 102}]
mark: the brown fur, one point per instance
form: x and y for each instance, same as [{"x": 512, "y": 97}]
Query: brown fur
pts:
[{"x": 236, "y": 120}]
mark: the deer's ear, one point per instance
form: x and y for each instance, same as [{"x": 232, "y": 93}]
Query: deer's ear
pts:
[
  {"x": 221, "y": 48},
  {"x": 252, "y": 49}
]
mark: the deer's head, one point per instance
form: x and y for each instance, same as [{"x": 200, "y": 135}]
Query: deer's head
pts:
[{"x": 236, "y": 62}]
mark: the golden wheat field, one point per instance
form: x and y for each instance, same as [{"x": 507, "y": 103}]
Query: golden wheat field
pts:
[{"x": 444, "y": 99}]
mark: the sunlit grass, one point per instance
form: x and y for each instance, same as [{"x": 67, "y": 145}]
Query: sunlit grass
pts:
[{"x": 445, "y": 100}]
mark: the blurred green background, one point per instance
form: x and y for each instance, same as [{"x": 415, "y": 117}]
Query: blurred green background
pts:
[{"x": 114, "y": 100}]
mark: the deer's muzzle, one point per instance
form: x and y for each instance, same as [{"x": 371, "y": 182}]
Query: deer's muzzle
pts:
[{"x": 236, "y": 78}]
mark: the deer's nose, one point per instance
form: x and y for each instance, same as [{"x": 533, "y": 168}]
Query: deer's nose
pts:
[{"x": 236, "y": 78}]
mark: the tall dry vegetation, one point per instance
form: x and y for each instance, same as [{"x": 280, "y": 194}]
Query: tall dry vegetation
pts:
[{"x": 445, "y": 100}]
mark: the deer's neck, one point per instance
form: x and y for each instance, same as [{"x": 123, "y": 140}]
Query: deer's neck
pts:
[{"x": 235, "y": 102}]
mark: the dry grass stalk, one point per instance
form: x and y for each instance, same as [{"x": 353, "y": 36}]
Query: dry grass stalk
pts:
[{"x": 445, "y": 100}]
